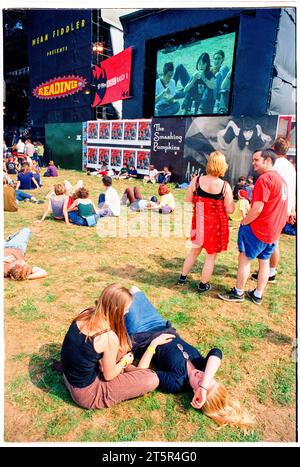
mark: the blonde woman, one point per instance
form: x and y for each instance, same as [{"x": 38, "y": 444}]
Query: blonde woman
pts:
[
  {"x": 57, "y": 204},
  {"x": 180, "y": 367},
  {"x": 95, "y": 359},
  {"x": 213, "y": 202}
]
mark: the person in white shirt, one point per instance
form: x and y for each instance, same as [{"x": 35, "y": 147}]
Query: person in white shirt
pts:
[
  {"x": 165, "y": 90},
  {"x": 287, "y": 171},
  {"x": 152, "y": 177},
  {"x": 109, "y": 203},
  {"x": 29, "y": 148},
  {"x": 20, "y": 148}
]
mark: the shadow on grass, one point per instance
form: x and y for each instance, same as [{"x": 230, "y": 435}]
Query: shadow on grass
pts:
[{"x": 44, "y": 376}]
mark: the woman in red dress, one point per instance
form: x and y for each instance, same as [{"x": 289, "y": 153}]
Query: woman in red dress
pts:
[{"x": 213, "y": 201}]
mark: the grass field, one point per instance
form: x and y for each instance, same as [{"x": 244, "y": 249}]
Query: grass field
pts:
[{"x": 256, "y": 341}]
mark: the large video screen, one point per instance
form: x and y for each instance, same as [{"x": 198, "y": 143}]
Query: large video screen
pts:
[{"x": 195, "y": 77}]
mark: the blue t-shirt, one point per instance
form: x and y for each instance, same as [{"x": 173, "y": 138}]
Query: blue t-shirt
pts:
[{"x": 25, "y": 179}]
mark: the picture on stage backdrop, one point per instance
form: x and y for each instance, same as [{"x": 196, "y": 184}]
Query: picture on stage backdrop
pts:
[
  {"x": 104, "y": 130},
  {"x": 195, "y": 77},
  {"x": 104, "y": 156},
  {"x": 92, "y": 130},
  {"x": 130, "y": 131},
  {"x": 237, "y": 138},
  {"x": 116, "y": 130},
  {"x": 144, "y": 131},
  {"x": 129, "y": 157},
  {"x": 143, "y": 160},
  {"x": 92, "y": 156},
  {"x": 116, "y": 157}
]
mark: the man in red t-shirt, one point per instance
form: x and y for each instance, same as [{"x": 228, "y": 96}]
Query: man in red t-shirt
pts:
[{"x": 261, "y": 228}]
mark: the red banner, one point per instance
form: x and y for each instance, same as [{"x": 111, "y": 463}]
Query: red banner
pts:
[{"x": 112, "y": 78}]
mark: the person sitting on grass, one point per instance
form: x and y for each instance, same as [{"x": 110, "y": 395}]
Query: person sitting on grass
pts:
[
  {"x": 164, "y": 176},
  {"x": 152, "y": 177},
  {"x": 15, "y": 265},
  {"x": 58, "y": 205},
  {"x": 96, "y": 358},
  {"x": 11, "y": 197},
  {"x": 82, "y": 208},
  {"x": 108, "y": 202},
  {"x": 124, "y": 172},
  {"x": 137, "y": 203},
  {"x": 26, "y": 180},
  {"x": 167, "y": 201},
  {"x": 180, "y": 367},
  {"x": 132, "y": 172},
  {"x": 51, "y": 170}
]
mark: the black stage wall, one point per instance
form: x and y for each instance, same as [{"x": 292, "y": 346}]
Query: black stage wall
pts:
[
  {"x": 256, "y": 47},
  {"x": 59, "y": 45}
]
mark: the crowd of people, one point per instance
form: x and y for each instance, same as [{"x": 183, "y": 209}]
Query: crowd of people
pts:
[{"x": 104, "y": 340}]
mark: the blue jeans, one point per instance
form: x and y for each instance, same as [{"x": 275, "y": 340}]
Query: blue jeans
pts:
[
  {"x": 142, "y": 315},
  {"x": 21, "y": 195},
  {"x": 76, "y": 219},
  {"x": 105, "y": 212},
  {"x": 19, "y": 240},
  {"x": 101, "y": 200}
]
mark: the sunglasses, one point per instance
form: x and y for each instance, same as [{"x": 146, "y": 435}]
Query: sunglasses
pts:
[{"x": 185, "y": 354}]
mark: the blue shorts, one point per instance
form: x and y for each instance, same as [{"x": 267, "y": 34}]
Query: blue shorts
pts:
[{"x": 251, "y": 246}]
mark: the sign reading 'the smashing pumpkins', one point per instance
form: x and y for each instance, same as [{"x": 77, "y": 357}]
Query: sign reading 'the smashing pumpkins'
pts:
[{"x": 59, "y": 87}]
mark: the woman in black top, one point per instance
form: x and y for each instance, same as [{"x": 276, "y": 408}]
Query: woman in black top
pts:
[
  {"x": 180, "y": 366},
  {"x": 200, "y": 88},
  {"x": 95, "y": 354}
]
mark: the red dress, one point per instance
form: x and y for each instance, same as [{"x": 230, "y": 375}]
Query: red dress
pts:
[{"x": 210, "y": 220}]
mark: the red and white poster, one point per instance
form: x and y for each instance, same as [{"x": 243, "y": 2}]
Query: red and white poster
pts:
[
  {"x": 112, "y": 78},
  {"x": 130, "y": 131},
  {"x": 92, "y": 130},
  {"x": 92, "y": 156},
  {"x": 129, "y": 157},
  {"x": 144, "y": 131},
  {"x": 104, "y": 130},
  {"x": 143, "y": 160},
  {"x": 117, "y": 130},
  {"x": 116, "y": 158},
  {"x": 104, "y": 156}
]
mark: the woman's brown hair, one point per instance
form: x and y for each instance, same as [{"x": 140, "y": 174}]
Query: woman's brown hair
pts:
[
  {"x": 81, "y": 193},
  {"x": 59, "y": 189},
  {"x": 20, "y": 272},
  {"x": 163, "y": 190},
  {"x": 109, "y": 309}
]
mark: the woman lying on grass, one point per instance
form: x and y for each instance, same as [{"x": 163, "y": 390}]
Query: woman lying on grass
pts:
[
  {"x": 14, "y": 262},
  {"x": 95, "y": 359},
  {"x": 180, "y": 366}
]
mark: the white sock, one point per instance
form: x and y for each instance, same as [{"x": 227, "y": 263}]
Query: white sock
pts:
[
  {"x": 257, "y": 293},
  {"x": 272, "y": 272},
  {"x": 239, "y": 291}
]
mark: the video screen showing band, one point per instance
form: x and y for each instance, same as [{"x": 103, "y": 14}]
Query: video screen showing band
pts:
[{"x": 195, "y": 78}]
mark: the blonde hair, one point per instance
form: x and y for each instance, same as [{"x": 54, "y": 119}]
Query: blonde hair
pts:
[
  {"x": 20, "y": 272},
  {"x": 109, "y": 308},
  {"x": 59, "y": 189},
  {"x": 224, "y": 411},
  {"x": 216, "y": 164}
]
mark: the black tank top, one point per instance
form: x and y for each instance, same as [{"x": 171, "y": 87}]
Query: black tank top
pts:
[
  {"x": 79, "y": 358},
  {"x": 205, "y": 194}
]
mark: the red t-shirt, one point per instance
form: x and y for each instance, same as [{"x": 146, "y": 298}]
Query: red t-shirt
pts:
[{"x": 271, "y": 189}]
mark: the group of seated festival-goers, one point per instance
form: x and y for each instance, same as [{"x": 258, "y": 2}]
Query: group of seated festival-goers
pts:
[{"x": 105, "y": 340}]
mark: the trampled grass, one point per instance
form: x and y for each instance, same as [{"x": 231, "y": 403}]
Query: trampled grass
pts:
[{"x": 256, "y": 341}]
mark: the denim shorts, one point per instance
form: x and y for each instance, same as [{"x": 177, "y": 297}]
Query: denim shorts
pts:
[{"x": 251, "y": 246}]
